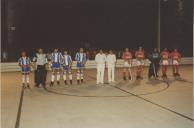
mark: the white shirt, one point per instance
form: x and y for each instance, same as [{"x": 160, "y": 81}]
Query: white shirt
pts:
[
  {"x": 111, "y": 59},
  {"x": 40, "y": 59},
  {"x": 55, "y": 57},
  {"x": 81, "y": 57},
  {"x": 66, "y": 59},
  {"x": 100, "y": 58},
  {"x": 24, "y": 60}
]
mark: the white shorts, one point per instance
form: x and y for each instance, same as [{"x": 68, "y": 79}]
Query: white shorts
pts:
[
  {"x": 164, "y": 62},
  {"x": 175, "y": 62},
  {"x": 126, "y": 64},
  {"x": 139, "y": 62}
]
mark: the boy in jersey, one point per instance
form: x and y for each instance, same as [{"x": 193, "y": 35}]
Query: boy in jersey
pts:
[
  {"x": 140, "y": 55},
  {"x": 67, "y": 62},
  {"x": 25, "y": 63},
  {"x": 164, "y": 61},
  {"x": 176, "y": 57},
  {"x": 81, "y": 61},
  {"x": 56, "y": 60},
  {"x": 127, "y": 57}
]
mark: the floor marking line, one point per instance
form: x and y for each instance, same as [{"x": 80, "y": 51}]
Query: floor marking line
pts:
[
  {"x": 182, "y": 115},
  {"x": 17, "y": 124}
]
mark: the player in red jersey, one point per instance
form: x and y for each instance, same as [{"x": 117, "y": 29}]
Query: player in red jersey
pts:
[
  {"x": 127, "y": 57},
  {"x": 140, "y": 55},
  {"x": 164, "y": 61},
  {"x": 176, "y": 57}
]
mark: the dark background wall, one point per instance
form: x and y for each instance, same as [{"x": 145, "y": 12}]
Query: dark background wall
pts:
[{"x": 95, "y": 23}]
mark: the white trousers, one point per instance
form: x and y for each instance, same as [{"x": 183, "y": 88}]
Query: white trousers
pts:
[
  {"x": 111, "y": 73},
  {"x": 100, "y": 73}
]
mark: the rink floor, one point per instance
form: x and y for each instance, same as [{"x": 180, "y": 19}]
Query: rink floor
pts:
[{"x": 124, "y": 104}]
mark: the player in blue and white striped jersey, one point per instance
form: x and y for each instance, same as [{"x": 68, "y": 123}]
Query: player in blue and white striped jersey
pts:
[
  {"x": 56, "y": 60},
  {"x": 25, "y": 63},
  {"x": 67, "y": 63},
  {"x": 81, "y": 61}
]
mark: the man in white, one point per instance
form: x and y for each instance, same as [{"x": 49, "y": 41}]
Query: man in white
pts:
[
  {"x": 100, "y": 59},
  {"x": 111, "y": 60}
]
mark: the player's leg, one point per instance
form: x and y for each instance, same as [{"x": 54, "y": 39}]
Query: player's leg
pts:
[
  {"x": 70, "y": 76},
  {"x": 23, "y": 79},
  {"x": 27, "y": 80},
  {"x": 98, "y": 75},
  {"x": 129, "y": 73},
  {"x": 113, "y": 73},
  {"x": 124, "y": 73},
  {"x": 150, "y": 71},
  {"x": 157, "y": 66},
  {"x": 138, "y": 69},
  {"x": 82, "y": 74},
  {"x": 65, "y": 75},
  {"x": 53, "y": 76},
  {"x": 141, "y": 69},
  {"x": 78, "y": 76},
  {"x": 164, "y": 68},
  {"x": 58, "y": 76},
  {"x": 109, "y": 74},
  {"x": 177, "y": 70},
  {"x": 102, "y": 74}
]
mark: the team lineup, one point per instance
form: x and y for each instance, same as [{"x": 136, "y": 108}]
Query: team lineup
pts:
[{"x": 61, "y": 65}]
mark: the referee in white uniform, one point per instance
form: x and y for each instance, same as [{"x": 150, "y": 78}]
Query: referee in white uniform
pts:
[
  {"x": 40, "y": 74},
  {"x": 100, "y": 60},
  {"x": 111, "y": 61}
]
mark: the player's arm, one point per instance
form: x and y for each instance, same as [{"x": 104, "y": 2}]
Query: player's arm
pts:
[
  {"x": 136, "y": 54},
  {"x": 71, "y": 62},
  {"x": 76, "y": 57},
  {"x": 123, "y": 56},
  {"x": 19, "y": 62}
]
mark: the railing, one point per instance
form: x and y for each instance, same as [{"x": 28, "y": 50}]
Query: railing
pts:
[{"x": 13, "y": 66}]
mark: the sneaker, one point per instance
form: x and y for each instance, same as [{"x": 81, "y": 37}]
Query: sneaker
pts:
[
  {"x": 65, "y": 82},
  {"x": 28, "y": 86},
  {"x": 23, "y": 85},
  {"x": 164, "y": 76},
  {"x": 52, "y": 83},
  {"x": 78, "y": 81},
  {"x": 82, "y": 80},
  {"x": 71, "y": 82}
]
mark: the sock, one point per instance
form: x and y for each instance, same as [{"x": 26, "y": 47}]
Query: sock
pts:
[
  {"x": 27, "y": 79},
  {"x": 58, "y": 76},
  {"x": 23, "y": 79},
  {"x": 78, "y": 75},
  {"x": 70, "y": 77},
  {"x": 82, "y": 75},
  {"x": 52, "y": 77},
  {"x": 65, "y": 76}
]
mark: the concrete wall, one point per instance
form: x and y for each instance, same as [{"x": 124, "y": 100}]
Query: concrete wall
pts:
[{"x": 13, "y": 66}]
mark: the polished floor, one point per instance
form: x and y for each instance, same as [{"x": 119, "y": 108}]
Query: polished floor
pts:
[{"x": 124, "y": 104}]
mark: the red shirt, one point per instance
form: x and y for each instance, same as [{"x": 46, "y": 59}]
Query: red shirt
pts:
[
  {"x": 126, "y": 56},
  {"x": 139, "y": 54},
  {"x": 175, "y": 55},
  {"x": 164, "y": 55}
]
